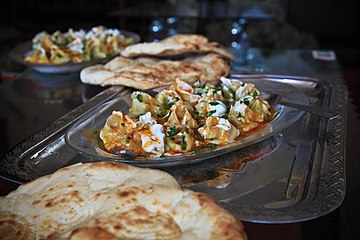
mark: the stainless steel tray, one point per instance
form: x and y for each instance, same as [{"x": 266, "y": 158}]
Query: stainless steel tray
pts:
[{"x": 296, "y": 175}]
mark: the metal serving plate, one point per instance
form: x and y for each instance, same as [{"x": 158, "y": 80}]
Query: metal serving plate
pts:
[
  {"x": 84, "y": 137},
  {"x": 296, "y": 175},
  {"x": 21, "y": 50}
]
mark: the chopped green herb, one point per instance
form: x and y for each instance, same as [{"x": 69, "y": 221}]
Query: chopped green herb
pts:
[
  {"x": 127, "y": 140},
  {"x": 255, "y": 94},
  {"x": 167, "y": 117},
  {"x": 232, "y": 91},
  {"x": 211, "y": 113},
  {"x": 216, "y": 88},
  {"x": 171, "y": 103},
  {"x": 123, "y": 124},
  {"x": 224, "y": 116},
  {"x": 171, "y": 132},
  {"x": 203, "y": 86},
  {"x": 246, "y": 101},
  {"x": 161, "y": 115},
  {"x": 139, "y": 98},
  {"x": 227, "y": 104},
  {"x": 195, "y": 150},
  {"x": 198, "y": 115},
  {"x": 183, "y": 143},
  {"x": 199, "y": 137}
]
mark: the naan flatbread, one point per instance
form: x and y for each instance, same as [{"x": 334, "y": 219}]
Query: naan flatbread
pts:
[
  {"x": 143, "y": 73},
  {"x": 176, "y": 45},
  {"x": 107, "y": 200}
]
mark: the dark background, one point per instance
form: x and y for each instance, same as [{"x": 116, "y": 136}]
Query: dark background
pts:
[
  {"x": 331, "y": 24},
  {"x": 282, "y": 24}
]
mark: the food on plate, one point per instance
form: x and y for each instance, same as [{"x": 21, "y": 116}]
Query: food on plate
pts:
[
  {"x": 186, "y": 118},
  {"x": 177, "y": 45},
  {"x": 143, "y": 73},
  {"x": 107, "y": 200},
  {"x": 77, "y": 46}
]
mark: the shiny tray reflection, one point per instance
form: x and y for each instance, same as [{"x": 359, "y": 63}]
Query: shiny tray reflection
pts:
[
  {"x": 20, "y": 51},
  {"x": 295, "y": 175},
  {"x": 83, "y": 136}
]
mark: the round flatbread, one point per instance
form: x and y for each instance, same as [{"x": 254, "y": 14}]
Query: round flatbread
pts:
[
  {"x": 177, "y": 45},
  {"x": 143, "y": 73},
  {"x": 107, "y": 200}
]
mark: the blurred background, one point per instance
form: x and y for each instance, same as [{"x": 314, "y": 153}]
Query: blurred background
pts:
[
  {"x": 265, "y": 24},
  {"x": 331, "y": 24}
]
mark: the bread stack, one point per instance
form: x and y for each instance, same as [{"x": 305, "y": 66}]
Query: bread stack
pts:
[{"x": 147, "y": 65}]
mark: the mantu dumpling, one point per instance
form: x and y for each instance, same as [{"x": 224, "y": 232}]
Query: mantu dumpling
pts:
[
  {"x": 208, "y": 90},
  {"x": 218, "y": 131},
  {"x": 179, "y": 115},
  {"x": 185, "y": 91},
  {"x": 179, "y": 140},
  {"x": 143, "y": 103},
  {"x": 144, "y": 137},
  {"x": 147, "y": 137},
  {"x": 243, "y": 116},
  {"x": 116, "y": 131},
  {"x": 262, "y": 107},
  {"x": 234, "y": 90},
  {"x": 208, "y": 106},
  {"x": 187, "y": 117},
  {"x": 165, "y": 100},
  {"x": 58, "y": 56}
]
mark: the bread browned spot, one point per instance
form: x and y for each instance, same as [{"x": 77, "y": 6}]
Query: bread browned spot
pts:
[
  {"x": 144, "y": 73},
  {"x": 177, "y": 45},
  {"x": 107, "y": 200}
]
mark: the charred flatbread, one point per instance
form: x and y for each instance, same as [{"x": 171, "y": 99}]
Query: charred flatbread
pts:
[
  {"x": 108, "y": 200},
  {"x": 143, "y": 73},
  {"x": 177, "y": 45}
]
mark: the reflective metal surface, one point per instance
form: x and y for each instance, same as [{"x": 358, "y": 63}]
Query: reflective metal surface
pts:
[
  {"x": 81, "y": 137},
  {"x": 296, "y": 175},
  {"x": 18, "y": 53}
]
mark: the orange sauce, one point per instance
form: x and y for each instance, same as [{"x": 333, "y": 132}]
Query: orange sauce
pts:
[{"x": 247, "y": 133}]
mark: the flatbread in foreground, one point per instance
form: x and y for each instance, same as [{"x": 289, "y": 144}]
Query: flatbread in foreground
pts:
[
  {"x": 107, "y": 200},
  {"x": 144, "y": 73},
  {"x": 177, "y": 45}
]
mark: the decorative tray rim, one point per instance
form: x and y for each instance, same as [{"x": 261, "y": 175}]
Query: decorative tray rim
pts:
[{"x": 324, "y": 198}]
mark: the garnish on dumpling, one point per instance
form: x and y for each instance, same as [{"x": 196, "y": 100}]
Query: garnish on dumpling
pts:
[{"x": 186, "y": 118}]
